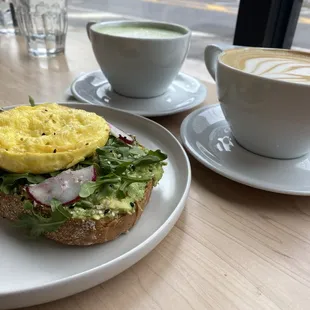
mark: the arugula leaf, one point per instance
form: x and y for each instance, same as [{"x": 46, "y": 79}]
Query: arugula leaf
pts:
[
  {"x": 113, "y": 141},
  {"x": 85, "y": 204},
  {"x": 90, "y": 187},
  {"x": 36, "y": 224},
  {"x": 122, "y": 167},
  {"x": 9, "y": 181},
  {"x": 11, "y": 178},
  {"x": 121, "y": 192},
  {"x": 128, "y": 157},
  {"x": 61, "y": 210},
  {"x": 124, "y": 151},
  {"x": 28, "y": 205},
  {"x": 106, "y": 168},
  {"x": 117, "y": 157},
  {"x": 55, "y": 173},
  {"x": 109, "y": 164},
  {"x": 136, "y": 151},
  {"x": 152, "y": 157},
  {"x": 106, "y": 190},
  {"x": 86, "y": 162},
  {"x": 31, "y": 101},
  {"x": 54, "y": 204}
]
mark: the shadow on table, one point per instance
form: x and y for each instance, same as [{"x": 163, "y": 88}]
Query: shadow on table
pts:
[
  {"x": 55, "y": 64},
  {"x": 242, "y": 196},
  {"x": 173, "y": 122}
]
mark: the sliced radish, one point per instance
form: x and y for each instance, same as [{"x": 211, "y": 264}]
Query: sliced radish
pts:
[
  {"x": 118, "y": 133},
  {"x": 64, "y": 187}
]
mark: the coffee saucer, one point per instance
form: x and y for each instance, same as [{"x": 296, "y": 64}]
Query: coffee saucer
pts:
[
  {"x": 207, "y": 136},
  {"x": 184, "y": 93}
]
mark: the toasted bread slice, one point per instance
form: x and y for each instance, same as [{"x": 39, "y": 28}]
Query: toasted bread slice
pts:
[{"x": 77, "y": 231}]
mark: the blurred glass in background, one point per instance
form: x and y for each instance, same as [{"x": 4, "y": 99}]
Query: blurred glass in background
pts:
[
  {"x": 8, "y": 23},
  {"x": 43, "y": 24}
]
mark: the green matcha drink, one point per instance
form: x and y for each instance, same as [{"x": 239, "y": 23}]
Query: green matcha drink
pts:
[{"x": 142, "y": 32}]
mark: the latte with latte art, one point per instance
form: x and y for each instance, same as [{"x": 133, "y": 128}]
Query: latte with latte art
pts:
[{"x": 282, "y": 65}]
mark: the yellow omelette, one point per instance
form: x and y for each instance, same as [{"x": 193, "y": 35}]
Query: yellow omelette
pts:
[{"x": 48, "y": 137}]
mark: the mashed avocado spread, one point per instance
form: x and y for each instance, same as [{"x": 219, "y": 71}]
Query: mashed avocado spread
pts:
[
  {"x": 123, "y": 172},
  {"x": 110, "y": 206}
]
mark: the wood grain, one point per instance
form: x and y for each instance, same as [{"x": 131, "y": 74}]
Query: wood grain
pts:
[{"x": 234, "y": 247}]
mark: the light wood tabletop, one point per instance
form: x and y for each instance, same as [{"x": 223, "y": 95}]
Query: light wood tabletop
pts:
[{"x": 234, "y": 247}]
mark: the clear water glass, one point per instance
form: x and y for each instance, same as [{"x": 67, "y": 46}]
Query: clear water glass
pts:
[
  {"x": 6, "y": 21},
  {"x": 44, "y": 25}
]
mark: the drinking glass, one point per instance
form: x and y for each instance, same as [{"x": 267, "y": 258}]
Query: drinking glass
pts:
[
  {"x": 6, "y": 21},
  {"x": 44, "y": 25}
]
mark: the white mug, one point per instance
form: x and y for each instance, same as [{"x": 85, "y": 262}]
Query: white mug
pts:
[
  {"x": 267, "y": 116},
  {"x": 139, "y": 67}
]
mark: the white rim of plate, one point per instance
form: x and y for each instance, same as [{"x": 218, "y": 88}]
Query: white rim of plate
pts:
[{"x": 91, "y": 271}]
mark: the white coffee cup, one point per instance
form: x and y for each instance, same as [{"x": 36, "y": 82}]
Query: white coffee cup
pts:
[
  {"x": 267, "y": 110},
  {"x": 140, "y": 67}
]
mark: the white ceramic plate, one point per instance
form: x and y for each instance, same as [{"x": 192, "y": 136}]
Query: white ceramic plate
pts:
[
  {"x": 34, "y": 272},
  {"x": 185, "y": 93},
  {"x": 207, "y": 136}
]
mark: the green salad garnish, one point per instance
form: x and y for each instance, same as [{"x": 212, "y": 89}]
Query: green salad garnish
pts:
[
  {"x": 122, "y": 173},
  {"x": 36, "y": 224}
]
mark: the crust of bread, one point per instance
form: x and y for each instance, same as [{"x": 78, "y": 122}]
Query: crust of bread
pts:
[{"x": 81, "y": 232}]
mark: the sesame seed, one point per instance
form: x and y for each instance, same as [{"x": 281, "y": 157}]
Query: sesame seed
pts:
[
  {"x": 132, "y": 204},
  {"x": 43, "y": 134},
  {"x": 54, "y": 151}
]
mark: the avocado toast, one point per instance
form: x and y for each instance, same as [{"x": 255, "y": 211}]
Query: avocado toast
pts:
[{"x": 91, "y": 201}]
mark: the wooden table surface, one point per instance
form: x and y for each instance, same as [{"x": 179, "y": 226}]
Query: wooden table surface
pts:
[{"x": 233, "y": 247}]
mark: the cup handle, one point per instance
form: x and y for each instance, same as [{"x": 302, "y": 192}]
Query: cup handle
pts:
[
  {"x": 211, "y": 54},
  {"x": 88, "y": 25}
]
